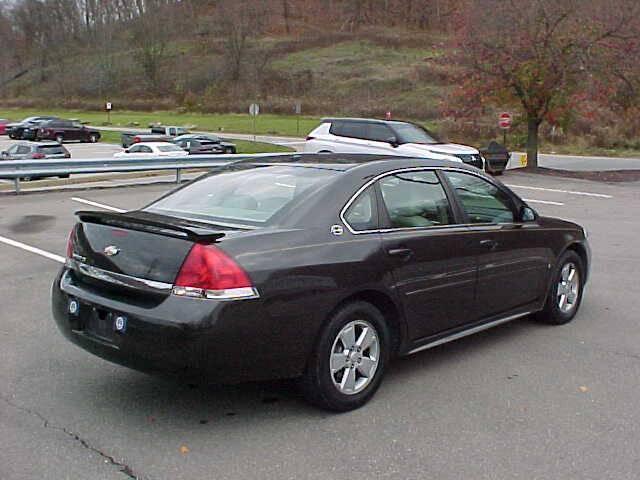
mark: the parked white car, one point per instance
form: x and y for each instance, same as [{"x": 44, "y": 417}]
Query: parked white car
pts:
[
  {"x": 152, "y": 149},
  {"x": 389, "y": 137}
]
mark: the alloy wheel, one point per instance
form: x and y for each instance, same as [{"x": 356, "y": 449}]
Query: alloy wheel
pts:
[
  {"x": 568, "y": 290},
  {"x": 355, "y": 355}
]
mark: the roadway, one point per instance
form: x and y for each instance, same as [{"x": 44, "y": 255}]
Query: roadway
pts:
[{"x": 519, "y": 401}]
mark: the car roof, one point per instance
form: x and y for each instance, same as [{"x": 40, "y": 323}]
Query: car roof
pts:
[
  {"x": 373, "y": 164},
  {"x": 154, "y": 144},
  {"x": 365, "y": 120}
]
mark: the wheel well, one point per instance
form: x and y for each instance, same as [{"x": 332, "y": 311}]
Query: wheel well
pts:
[
  {"x": 388, "y": 309},
  {"x": 582, "y": 253}
]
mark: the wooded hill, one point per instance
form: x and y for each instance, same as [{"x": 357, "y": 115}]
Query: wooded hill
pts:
[{"x": 421, "y": 59}]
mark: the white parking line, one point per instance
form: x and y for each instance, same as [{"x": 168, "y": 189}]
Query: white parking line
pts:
[
  {"x": 545, "y": 202},
  {"x": 96, "y": 204},
  {"x": 29, "y": 248},
  {"x": 572, "y": 192}
]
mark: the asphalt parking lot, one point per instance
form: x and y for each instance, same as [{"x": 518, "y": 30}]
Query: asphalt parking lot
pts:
[{"x": 521, "y": 401}]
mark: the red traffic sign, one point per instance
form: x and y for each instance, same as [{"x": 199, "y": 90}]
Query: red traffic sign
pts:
[{"x": 505, "y": 120}]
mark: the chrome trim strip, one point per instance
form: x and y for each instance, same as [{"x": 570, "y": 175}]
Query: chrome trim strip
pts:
[
  {"x": 468, "y": 332},
  {"x": 119, "y": 278},
  {"x": 393, "y": 172}
]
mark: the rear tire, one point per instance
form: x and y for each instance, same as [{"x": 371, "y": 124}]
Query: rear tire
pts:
[
  {"x": 565, "y": 293},
  {"x": 324, "y": 151},
  {"x": 348, "y": 363}
]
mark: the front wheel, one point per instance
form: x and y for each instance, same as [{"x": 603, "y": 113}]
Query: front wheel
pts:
[
  {"x": 348, "y": 363},
  {"x": 563, "y": 300},
  {"x": 59, "y": 139},
  {"x": 93, "y": 138}
]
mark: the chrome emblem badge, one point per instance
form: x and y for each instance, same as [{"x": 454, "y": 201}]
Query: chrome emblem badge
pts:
[
  {"x": 111, "y": 250},
  {"x": 337, "y": 229}
]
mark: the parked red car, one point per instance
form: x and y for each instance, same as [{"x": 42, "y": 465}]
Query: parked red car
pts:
[
  {"x": 3, "y": 126},
  {"x": 63, "y": 130}
]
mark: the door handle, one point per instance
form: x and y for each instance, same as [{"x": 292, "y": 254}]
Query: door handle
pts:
[
  {"x": 490, "y": 244},
  {"x": 400, "y": 252}
]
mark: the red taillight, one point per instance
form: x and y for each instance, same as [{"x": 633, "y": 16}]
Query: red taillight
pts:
[
  {"x": 208, "y": 272},
  {"x": 37, "y": 155},
  {"x": 311, "y": 138},
  {"x": 136, "y": 139}
]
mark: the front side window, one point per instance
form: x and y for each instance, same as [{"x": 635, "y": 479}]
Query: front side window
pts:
[
  {"x": 22, "y": 150},
  {"x": 415, "y": 199},
  {"x": 362, "y": 214},
  {"x": 134, "y": 149},
  {"x": 169, "y": 148},
  {"x": 379, "y": 133},
  {"x": 410, "y": 133},
  {"x": 482, "y": 201}
]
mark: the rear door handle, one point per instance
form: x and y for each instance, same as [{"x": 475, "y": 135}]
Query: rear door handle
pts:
[
  {"x": 400, "y": 252},
  {"x": 490, "y": 244}
]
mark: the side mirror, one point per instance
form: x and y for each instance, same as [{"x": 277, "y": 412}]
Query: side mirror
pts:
[
  {"x": 393, "y": 141},
  {"x": 527, "y": 214},
  {"x": 126, "y": 150},
  {"x": 4, "y": 153}
]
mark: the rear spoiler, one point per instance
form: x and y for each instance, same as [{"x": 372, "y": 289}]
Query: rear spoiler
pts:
[{"x": 154, "y": 223}]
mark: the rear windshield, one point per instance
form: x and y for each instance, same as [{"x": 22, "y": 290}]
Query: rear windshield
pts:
[
  {"x": 169, "y": 148},
  {"x": 51, "y": 149},
  {"x": 410, "y": 133},
  {"x": 243, "y": 195}
]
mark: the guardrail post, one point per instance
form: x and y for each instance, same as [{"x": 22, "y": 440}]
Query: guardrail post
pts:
[
  {"x": 16, "y": 182},
  {"x": 178, "y": 176}
]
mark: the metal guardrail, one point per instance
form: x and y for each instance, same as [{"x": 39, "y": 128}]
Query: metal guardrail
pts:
[{"x": 21, "y": 169}]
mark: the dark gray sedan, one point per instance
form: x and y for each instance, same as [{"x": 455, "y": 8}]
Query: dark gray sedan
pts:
[{"x": 35, "y": 151}]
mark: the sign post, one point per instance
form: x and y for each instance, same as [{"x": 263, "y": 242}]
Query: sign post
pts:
[
  {"x": 254, "y": 110},
  {"x": 108, "y": 107},
  {"x": 298, "y": 110},
  {"x": 504, "y": 122}
]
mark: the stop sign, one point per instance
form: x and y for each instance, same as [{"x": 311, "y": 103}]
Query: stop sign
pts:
[{"x": 504, "y": 121}]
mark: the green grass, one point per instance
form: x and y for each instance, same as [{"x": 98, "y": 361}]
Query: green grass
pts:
[
  {"x": 285, "y": 125},
  {"x": 107, "y": 136}
]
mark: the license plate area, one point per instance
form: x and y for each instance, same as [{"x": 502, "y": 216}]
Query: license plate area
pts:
[{"x": 100, "y": 323}]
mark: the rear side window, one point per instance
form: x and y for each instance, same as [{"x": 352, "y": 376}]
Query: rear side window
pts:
[
  {"x": 482, "y": 201},
  {"x": 246, "y": 195},
  {"x": 348, "y": 129},
  {"x": 362, "y": 214},
  {"x": 415, "y": 199},
  {"x": 51, "y": 149}
]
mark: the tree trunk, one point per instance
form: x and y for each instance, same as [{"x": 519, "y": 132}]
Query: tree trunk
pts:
[{"x": 533, "y": 125}]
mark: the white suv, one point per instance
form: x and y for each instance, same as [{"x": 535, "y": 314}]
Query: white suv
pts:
[{"x": 361, "y": 135}]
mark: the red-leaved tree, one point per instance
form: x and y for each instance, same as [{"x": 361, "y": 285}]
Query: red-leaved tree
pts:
[{"x": 537, "y": 54}]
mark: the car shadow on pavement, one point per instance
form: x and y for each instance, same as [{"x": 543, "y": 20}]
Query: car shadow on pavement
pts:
[{"x": 153, "y": 400}]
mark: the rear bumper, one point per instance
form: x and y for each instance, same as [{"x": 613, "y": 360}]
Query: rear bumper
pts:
[
  {"x": 494, "y": 166},
  {"x": 206, "y": 340}
]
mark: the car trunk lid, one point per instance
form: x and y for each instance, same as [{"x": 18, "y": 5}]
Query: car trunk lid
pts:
[{"x": 137, "y": 244}]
